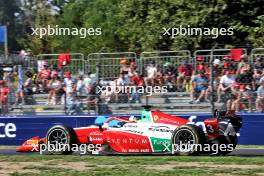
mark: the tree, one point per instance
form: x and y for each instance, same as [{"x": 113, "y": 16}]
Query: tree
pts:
[
  {"x": 256, "y": 34},
  {"x": 38, "y": 14},
  {"x": 91, "y": 14},
  {"x": 138, "y": 25},
  {"x": 10, "y": 17}
]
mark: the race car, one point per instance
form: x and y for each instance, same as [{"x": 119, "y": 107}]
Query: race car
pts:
[{"x": 152, "y": 132}]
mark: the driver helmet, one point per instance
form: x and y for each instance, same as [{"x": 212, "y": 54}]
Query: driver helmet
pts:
[{"x": 132, "y": 119}]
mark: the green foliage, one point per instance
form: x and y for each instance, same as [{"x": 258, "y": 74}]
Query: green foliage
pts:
[
  {"x": 8, "y": 11},
  {"x": 39, "y": 15},
  {"x": 136, "y": 25},
  {"x": 256, "y": 34},
  {"x": 91, "y": 14}
]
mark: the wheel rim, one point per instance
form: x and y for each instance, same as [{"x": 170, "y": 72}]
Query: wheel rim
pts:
[
  {"x": 57, "y": 137},
  {"x": 185, "y": 140}
]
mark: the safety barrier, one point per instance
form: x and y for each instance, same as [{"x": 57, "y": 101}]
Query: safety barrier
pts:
[
  {"x": 162, "y": 59},
  {"x": 224, "y": 55},
  {"x": 255, "y": 53},
  {"x": 240, "y": 95},
  {"x": 111, "y": 64},
  {"x": 15, "y": 59},
  {"x": 76, "y": 65},
  {"x": 15, "y": 130}
]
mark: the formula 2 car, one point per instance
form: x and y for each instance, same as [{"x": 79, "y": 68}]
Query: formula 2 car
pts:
[{"x": 149, "y": 133}]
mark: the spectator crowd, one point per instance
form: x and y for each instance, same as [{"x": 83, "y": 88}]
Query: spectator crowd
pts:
[{"x": 238, "y": 84}]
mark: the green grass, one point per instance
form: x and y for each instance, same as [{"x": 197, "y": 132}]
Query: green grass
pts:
[
  {"x": 138, "y": 160},
  {"x": 35, "y": 165},
  {"x": 136, "y": 165},
  {"x": 7, "y": 147},
  {"x": 250, "y": 146}
]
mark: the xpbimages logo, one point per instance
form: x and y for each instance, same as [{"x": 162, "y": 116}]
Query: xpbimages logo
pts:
[
  {"x": 193, "y": 31},
  {"x": 57, "y": 31},
  {"x": 57, "y": 147},
  {"x": 148, "y": 90},
  {"x": 188, "y": 147}
]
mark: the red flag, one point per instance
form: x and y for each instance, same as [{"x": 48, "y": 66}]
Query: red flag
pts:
[
  {"x": 64, "y": 59},
  {"x": 236, "y": 54}
]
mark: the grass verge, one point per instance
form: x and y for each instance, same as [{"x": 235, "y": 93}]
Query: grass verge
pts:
[{"x": 131, "y": 165}]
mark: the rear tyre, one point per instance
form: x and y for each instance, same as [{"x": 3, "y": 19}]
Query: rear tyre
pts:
[
  {"x": 229, "y": 140},
  {"x": 188, "y": 140},
  {"x": 60, "y": 140},
  {"x": 230, "y": 143}
]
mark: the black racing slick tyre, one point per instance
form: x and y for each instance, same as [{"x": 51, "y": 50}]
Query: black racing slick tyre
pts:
[
  {"x": 59, "y": 140},
  {"x": 230, "y": 141},
  {"x": 187, "y": 140}
]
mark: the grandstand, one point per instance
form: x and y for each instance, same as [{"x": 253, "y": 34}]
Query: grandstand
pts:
[
  {"x": 173, "y": 103},
  {"x": 176, "y": 70}
]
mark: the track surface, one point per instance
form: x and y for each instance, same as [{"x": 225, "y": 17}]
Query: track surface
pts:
[{"x": 236, "y": 152}]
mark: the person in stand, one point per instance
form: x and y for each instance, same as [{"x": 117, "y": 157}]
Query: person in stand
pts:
[
  {"x": 124, "y": 65},
  {"x": 27, "y": 88},
  {"x": 243, "y": 63},
  {"x": 4, "y": 91},
  {"x": 151, "y": 74},
  {"x": 170, "y": 74},
  {"x": 72, "y": 101},
  {"x": 260, "y": 97},
  {"x": 43, "y": 78},
  {"x": 81, "y": 91},
  {"x": 185, "y": 73},
  {"x": 258, "y": 71},
  {"x": 200, "y": 85},
  {"x": 92, "y": 97},
  {"x": 225, "y": 85},
  {"x": 55, "y": 89},
  {"x": 233, "y": 102},
  {"x": 246, "y": 81},
  {"x": 137, "y": 81}
]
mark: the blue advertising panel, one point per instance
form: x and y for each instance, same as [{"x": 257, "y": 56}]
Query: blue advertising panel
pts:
[
  {"x": 15, "y": 130},
  {"x": 3, "y": 34}
]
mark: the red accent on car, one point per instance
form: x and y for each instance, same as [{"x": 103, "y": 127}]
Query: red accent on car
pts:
[
  {"x": 31, "y": 145},
  {"x": 83, "y": 134},
  {"x": 96, "y": 137},
  {"x": 212, "y": 127},
  {"x": 160, "y": 117}
]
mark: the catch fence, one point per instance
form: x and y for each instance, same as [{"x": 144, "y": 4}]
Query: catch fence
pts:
[
  {"x": 170, "y": 71},
  {"x": 74, "y": 62},
  {"x": 111, "y": 64}
]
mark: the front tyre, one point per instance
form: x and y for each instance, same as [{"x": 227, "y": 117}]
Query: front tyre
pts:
[
  {"x": 60, "y": 139},
  {"x": 187, "y": 140}
]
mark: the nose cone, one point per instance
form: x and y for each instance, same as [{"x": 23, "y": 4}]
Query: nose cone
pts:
[{"x": 31, "y": 145}]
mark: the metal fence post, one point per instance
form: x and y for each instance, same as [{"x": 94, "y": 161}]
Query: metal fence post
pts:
[
  {"x": 212, "y": 77},
  {"x": 65, "y": 102},
  {"x": 256, "y": 52},
  {"x": 96, "y": 89}
]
